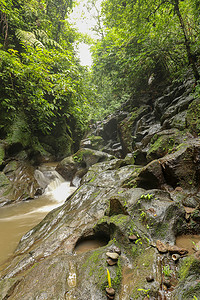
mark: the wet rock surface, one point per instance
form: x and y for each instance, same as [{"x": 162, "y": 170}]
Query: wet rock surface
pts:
[
  {"x": 139, "y": 203},
  {"x": 17, "y": 182}
]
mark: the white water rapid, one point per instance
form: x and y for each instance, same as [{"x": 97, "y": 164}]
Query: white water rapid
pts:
[{"x": 17, "y": 219}]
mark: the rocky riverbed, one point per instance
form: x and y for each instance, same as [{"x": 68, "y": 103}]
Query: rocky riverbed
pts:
[{"x": 137, "y": 179}]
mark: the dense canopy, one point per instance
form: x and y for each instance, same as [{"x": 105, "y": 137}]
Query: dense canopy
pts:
[
  {"x": 143, "y": 38},
  {"x": 45, "y": 91}
]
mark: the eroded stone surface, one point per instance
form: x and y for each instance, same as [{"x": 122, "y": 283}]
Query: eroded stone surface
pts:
[{"x": 120, "y": 200}]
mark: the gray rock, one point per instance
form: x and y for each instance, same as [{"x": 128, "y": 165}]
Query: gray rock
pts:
[{"x": 112, "y": 255}]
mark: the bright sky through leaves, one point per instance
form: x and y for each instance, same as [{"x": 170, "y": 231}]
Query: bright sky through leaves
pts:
[{"x": 84, "y": 21}]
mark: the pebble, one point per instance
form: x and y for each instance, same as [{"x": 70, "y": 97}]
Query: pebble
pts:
[
  {"x": 111, "y": 262},
  {"x": 110, "y": 291},
  {"x": 117, "y": 250},
  {"x": 175, "y": 249},
  {"x": 113, "y": 255},
  {"x": 133, "y": 237}
]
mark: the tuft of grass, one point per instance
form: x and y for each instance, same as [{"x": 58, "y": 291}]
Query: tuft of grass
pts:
[{"x": 166, "y": 270}]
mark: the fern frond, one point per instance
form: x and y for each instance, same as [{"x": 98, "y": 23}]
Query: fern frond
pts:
[
  {"x": 28, "y": 38},
  {"x": 41, "y": 35}
]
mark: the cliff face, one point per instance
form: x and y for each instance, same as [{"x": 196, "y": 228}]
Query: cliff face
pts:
[{"x": 137, "y": 174}]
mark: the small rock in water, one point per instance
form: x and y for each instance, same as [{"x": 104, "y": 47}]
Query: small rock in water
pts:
[
  {"x": 133, "y": 237},
  {"x": 111, "y": 262},
  {"x": 175, "y": 249},
  {"x": 162, "y": 248},
  {"x": 112, "y": 255}
]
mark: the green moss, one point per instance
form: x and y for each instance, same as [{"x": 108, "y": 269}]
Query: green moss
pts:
[
  {"x": 193, "y": 117},
  {"x": 4, "y": 181},
  {"x": 104, "y": 219},
  {"x": 131, "y": 182},
  {"x": 96, "y": 267},
  {"x": 2, "y": 154},
  {"x": 79, "y": 155},
  {"x": 92, "y": 260},
  {"x": 192, "y": 291},
  {"x": 93, "y": 179},
  {"x": 160, "y": 146},
  {"x": 161, "y": 229},
  {"x": 119, "y": 219},
  {"x": 96, "y": 141},
  {"x": 190, "y": 266},
  {"x": 134, "y": 250},
  {"x": 118, "y": 278},
  {"x": 143, "y": 265}
]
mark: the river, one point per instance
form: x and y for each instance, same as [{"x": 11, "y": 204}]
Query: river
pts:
[{"x": 17, "y": 219}]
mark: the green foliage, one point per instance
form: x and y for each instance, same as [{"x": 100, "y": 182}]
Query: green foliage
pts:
[
  {"x": 148, "y": 196},
  {"x": 2, "y": 154},
  {"x": 142, "y": 38},
  {"x": 41, "y": 80},
  {"x": 166, "y": 271}
]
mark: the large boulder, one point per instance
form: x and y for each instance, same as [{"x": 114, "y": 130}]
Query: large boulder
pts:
[
  {"x": 181, "y": 168},
  {"x": 78, "y": 164},
  {"x": 127, "y": 126},
  {"x": 17, "y": 182},
  {"x": 104, "y": 207}
]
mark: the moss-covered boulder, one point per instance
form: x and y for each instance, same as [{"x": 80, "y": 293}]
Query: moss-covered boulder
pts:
[
  {"x": 181, "y": 168},
  {"x": 161, "y": 144},
  {"x": 89, "y": 157},
  {"x": 189, "y": 274},
  {"x": 79, "y": 163},
  {"x": 67, "y": 168},
  {"x": 92, "y": 141},
  {"x": 17, "y": 182},
  {"x": 193, "y": 117},
  {"x": 126, "y": 127}
]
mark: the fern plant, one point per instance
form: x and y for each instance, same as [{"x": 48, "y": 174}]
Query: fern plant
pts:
[
  {"x": 38, "y": 38},
  {"x": 28, "y": 38}
]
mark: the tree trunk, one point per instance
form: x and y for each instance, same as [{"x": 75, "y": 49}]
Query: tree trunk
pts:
[{"x": 190, "y": 56}]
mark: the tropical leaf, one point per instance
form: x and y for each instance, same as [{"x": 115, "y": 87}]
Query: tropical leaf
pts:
[{"x": 28, "y": 38}]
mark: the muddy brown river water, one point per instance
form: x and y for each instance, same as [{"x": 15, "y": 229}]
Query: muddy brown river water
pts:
[
  {"x": 188, "y": 242},
  {"x": 17, "y": 219}
]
